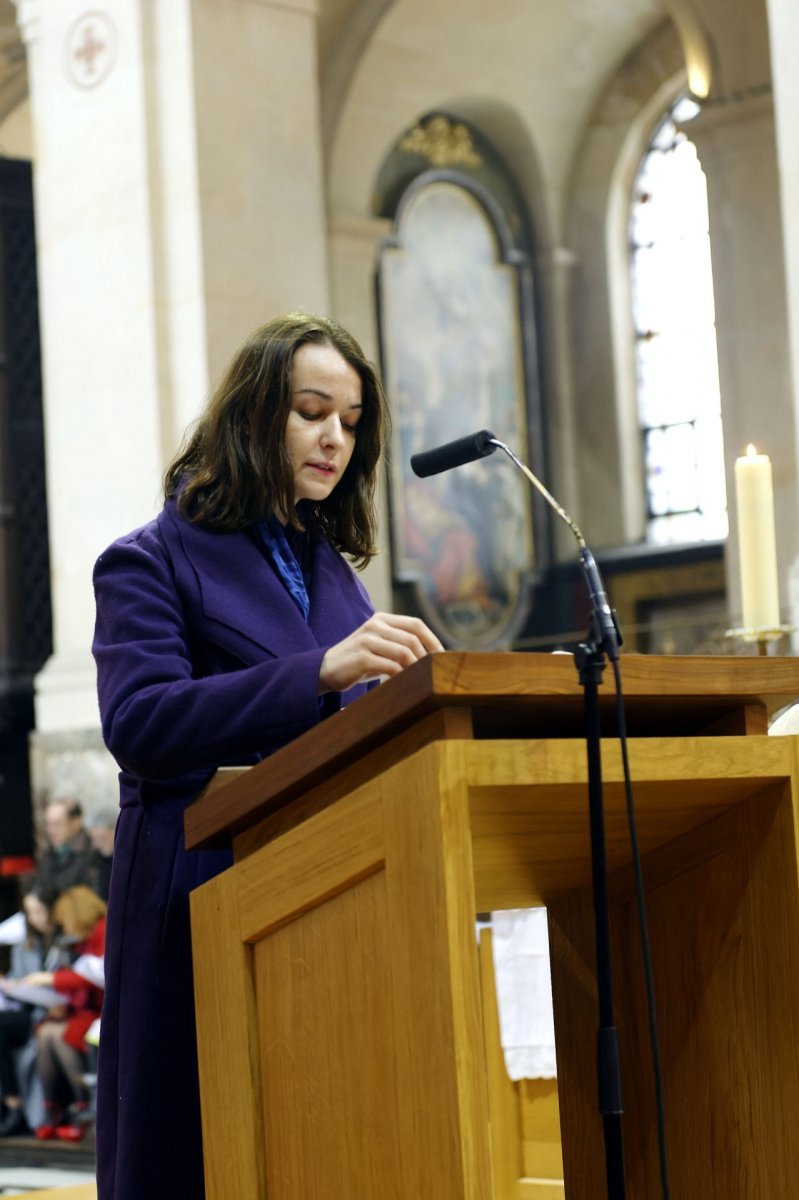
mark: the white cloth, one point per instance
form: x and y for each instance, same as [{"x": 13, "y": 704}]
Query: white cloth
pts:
[
  {"x": 91, "y": 967},
  {"x": 524, "y": 992},
  {"x": 785, "y": 721},
  {"x": 13, "y": 930}
]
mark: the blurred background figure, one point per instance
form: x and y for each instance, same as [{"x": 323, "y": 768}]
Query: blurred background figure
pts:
[
  {"x": 101, "y": 827},
  {"x": 40, "y": 950},
  {"x": 61, "y": 1038},
  {"x": 68, "y": 857}
]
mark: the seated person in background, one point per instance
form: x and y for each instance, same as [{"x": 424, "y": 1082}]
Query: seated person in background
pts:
[
  {"x": 101, "y": 827},
  {"x": 69, "y": 857},
  {"x": 80, "y": 914},
  {"x": 39, "y": 951}
]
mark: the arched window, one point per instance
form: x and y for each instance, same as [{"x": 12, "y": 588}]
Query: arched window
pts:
[{"x": 675, "y": 340}]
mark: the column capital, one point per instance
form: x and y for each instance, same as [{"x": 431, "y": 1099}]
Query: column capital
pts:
[
  {"x": 307, "y": 6},
  {"x": 556, "y": 258},
  {"x": 359, "y": 229},
  {"x": 29, "y": 19},
  {"x": 732, "y": 121}
]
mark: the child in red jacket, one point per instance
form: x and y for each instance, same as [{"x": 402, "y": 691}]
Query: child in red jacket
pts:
[{"x": 80, "y": 914}]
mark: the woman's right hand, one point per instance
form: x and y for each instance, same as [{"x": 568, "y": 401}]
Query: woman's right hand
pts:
[{"x": 383, "y": 645}]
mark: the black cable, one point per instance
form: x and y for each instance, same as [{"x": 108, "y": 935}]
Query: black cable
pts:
[
  {"x": 590, "y": 661},
  {"x": 644, "y": 934}
]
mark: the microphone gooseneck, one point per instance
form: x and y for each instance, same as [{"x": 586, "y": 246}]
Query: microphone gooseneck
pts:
[
  {"x": 606, "y": 627},
  {"x": 550, "y": 499},
  {"x": 479, "y": 445}
]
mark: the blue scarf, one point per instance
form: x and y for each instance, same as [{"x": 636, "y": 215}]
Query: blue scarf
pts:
[{"x": 283, "y": 557}]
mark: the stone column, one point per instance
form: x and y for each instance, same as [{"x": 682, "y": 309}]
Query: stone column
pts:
[
  {"x": 259, "y": 152},
  {"x": 555, "y": 267},
  {"x": 354, "y": 251},
  {"x": 784, "y": 37},
  {"x": 735, "y": 139},
  {"x": 100, "y": 343},
  {"x": 178, "y": 190}
]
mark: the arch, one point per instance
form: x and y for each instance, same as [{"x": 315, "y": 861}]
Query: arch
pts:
[
  {"x": 502, "y": 126},
  {"x": 338, "y": 54},
  {"x": 352, "y": 183},
  {"x": 697, "y": 50},
  {"x": 356, "y": 133}
]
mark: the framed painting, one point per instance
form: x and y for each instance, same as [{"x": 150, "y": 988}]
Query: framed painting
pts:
[{"x": 454, "y": 362}]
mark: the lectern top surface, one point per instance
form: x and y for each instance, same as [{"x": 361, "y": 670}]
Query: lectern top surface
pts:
[{"x": 506, "y": 695}]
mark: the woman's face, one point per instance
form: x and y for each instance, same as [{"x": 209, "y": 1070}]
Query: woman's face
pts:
[
  {"x": 37, "y": 913},
  {"x": 326, "y": 405}
]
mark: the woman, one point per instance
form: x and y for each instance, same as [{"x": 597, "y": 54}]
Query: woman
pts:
[
  {"x": 226, "y": 627},
  {"x": 61, "y": 1037},
  {"x": 39, "y": 950}
]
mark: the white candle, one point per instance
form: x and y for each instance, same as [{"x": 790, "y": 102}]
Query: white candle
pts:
[{"x": 757, "y": 542}]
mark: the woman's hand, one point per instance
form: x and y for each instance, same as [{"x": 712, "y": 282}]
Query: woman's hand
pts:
[
  {"x": 38, "y": 979},
  {"x": 383, "y": 645}
]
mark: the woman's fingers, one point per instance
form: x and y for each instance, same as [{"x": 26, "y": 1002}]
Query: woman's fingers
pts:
[
  {"x": 411, "y": 627},
  {"x": 383, "y": 645},
  {"x": 404, "y": 639}
]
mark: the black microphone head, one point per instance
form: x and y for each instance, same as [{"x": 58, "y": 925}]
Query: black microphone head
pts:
[{"x": 453, "y": 454}]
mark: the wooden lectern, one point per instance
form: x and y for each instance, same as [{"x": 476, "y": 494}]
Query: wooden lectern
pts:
[{"x": 338, "y": 993}]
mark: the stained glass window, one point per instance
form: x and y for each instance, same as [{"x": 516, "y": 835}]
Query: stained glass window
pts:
[{"x": 675, "y": 341}]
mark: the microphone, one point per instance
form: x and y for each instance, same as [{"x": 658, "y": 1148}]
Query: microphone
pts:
[
  {"x": 478, "y": 445},
  {"x": 454, "y": 454}
]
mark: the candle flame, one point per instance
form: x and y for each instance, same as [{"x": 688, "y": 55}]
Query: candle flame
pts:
[{"x": 751, "y": 451}]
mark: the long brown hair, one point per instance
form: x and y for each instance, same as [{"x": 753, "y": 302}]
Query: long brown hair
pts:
[
  {"x": 234, "y": 469},
  {"x": 77, "y": 910}
]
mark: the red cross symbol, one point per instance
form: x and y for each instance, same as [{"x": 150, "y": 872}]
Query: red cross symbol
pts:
[
  {"x": 89, "y": 51},
  {"x": 90, "y": 48}
]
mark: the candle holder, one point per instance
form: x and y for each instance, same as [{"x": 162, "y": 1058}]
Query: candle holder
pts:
[{"x": 763, "y": 637}]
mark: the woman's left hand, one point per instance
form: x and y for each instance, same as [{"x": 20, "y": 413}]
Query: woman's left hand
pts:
[{"x": 38, "y": 979}]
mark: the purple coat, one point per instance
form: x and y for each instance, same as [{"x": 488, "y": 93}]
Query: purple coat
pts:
[{"x": 203, "y": 659}]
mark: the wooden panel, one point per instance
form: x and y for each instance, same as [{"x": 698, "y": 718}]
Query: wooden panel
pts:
[
  {"x": 728, "y": 1013},
  {"x": 229, "y": 1071},
  {"x": 541, "y": 1143},
  {"x": 526, "y": 1158},
  {"x": 312, "y": 863},
  {"x": 362, "y": 924},
  {"x": 433, "y": 899},
  {"x": 326, "y": 1036},
  {"x": 529, "y": 805},
  {"x": 571, "y": 948},
  {"x": 748, "y": 719},
  {"x": 447, "y": 723},
  {"x": 368, "y": 1012},
  {"x": 80, "y": 1191},
  {"x": 636, "y": 591},
  {"x": 539, "y": 693},
  {"x": 724, "y": 926}
]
